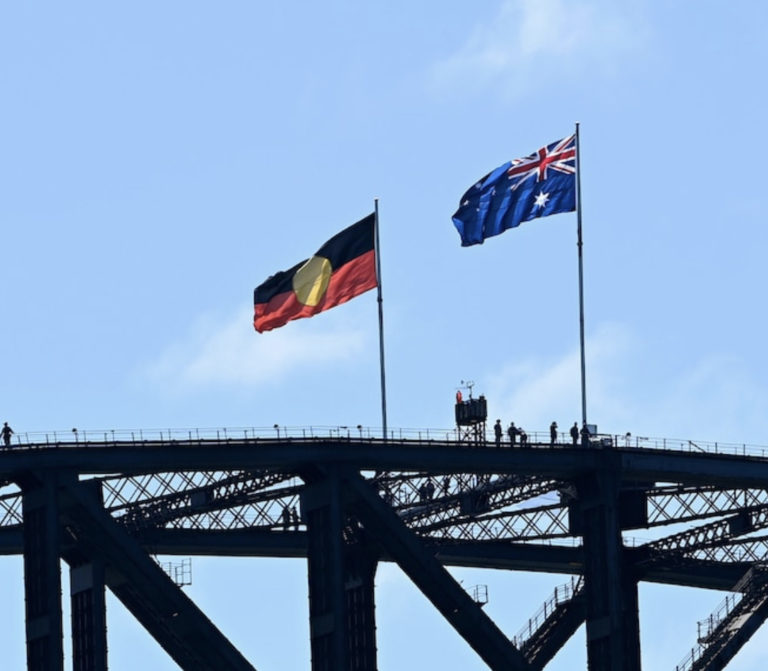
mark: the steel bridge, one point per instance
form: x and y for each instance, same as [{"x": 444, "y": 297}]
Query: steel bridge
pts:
[{"x": 106, "y": 503}]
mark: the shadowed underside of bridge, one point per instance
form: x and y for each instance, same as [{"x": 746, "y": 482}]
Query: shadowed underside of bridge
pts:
[{"x": 346, "y": 505}]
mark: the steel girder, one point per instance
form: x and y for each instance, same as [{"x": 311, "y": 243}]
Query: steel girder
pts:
[
  {"x": 725, "y": 636},
  {"x": 42, "y": 574},
  {"x": 92, "y": 534},
  {"x": 381, "y": 522},
  {"x": 709, "y": 486}
]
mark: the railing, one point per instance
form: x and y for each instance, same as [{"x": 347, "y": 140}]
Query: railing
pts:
[
  {"x": 686, "y": 664},
  {"x": 536, "y": 439},
  {"x": 275, "y": 432},
  {"x": 707, "y": 627},
  {"x": 178, "y": 571},
  {"x": 562, "y": 594}
]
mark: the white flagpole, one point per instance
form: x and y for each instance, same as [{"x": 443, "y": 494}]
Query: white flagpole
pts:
[
  {"x": 579, "y": 244},
  {"x": 381, "y": 319}
]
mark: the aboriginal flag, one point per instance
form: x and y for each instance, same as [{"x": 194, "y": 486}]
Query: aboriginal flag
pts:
[{"x": 344, "y": 267}]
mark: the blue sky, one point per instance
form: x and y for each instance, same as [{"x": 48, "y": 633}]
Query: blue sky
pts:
[{"x": 159, "y": 160}]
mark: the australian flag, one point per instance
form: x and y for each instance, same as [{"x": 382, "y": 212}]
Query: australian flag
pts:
[{"x": 538, "y": 185}]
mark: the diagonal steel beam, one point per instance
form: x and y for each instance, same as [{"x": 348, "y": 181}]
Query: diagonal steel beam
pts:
[
  {"x": 559, "y": 623},
  {"x": 177, "y": 624},
  {"x": 725, "y": 632},
  {"x": 432, "y": 579}
]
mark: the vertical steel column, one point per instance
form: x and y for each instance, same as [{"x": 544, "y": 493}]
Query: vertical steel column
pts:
[
  {"x": 341, "y": 589},
  {"x": 89, "y": 619},
  {"x": 613, "y": 629},
  {"x": 42, "y": 576},
  {"x": 322, "y": 512},
  {"x": 361, "y": 609}
]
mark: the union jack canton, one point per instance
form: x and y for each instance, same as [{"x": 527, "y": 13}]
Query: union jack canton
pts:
[{"x": 538, "y": 185}]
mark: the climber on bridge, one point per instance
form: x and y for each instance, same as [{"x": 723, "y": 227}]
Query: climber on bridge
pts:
[
  {"x": 498, "y": 432},
  {"x": 512, "y": 432},
  {"x": 6, "y": 432}
]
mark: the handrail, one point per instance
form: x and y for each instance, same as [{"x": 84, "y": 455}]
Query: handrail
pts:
[
  {"x": 755, "y": 576},
  {"x": 717, "y": 617},
  {"x": 562, "y": 594},
  {"x": 536, "y": 439}
]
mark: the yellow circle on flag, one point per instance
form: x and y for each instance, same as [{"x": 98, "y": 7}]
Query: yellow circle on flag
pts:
[{"x": 311, "y": 280}]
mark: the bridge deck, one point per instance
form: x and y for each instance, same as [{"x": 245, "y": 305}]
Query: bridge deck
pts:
[{"x": 361, "y": 453}]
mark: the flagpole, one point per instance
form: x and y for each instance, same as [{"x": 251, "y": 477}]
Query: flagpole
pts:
[
  {"x": 381, "y": 320},
  {"x": 579, "y": 244}
]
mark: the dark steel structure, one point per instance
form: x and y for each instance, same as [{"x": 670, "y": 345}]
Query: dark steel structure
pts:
[
  {"x": 471, "y": 417},
  {"x": 424, "y": 504}
]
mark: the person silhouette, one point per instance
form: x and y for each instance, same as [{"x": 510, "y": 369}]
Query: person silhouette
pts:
[
  {"x": 429, "y": 489},
  {"x": 286, "y": 518},
  {"x": 6, "y": 432}
]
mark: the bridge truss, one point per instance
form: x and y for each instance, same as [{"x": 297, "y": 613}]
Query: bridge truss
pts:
[{"x": 346, "y": 504}]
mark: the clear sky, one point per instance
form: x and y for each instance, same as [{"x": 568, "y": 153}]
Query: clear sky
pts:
[{"x": 160, "y": 159}]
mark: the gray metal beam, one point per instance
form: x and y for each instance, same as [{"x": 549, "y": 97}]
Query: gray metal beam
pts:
[
  {"x": 724, "y": 638},
  {"x": 613, "y": 630},
  {"x": 42, "y": 575},
  {"x": 297, "y": 455},
  {"x": 341, "y": 583},
  {"x": 89, "y": 617},
  {"x": 230, "y": 543},
  {"x": 178, "y": 625},
  {"x": 432, "y": 579},
  {"x": 323, "y": 512},
  {"x": 555, "y": 631},
  {"x": 561, "y": 559},
  {"x": 439, "y": 457}
]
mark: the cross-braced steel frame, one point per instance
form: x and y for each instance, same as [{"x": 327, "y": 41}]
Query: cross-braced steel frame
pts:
[{"x": 346, "y": 504}]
